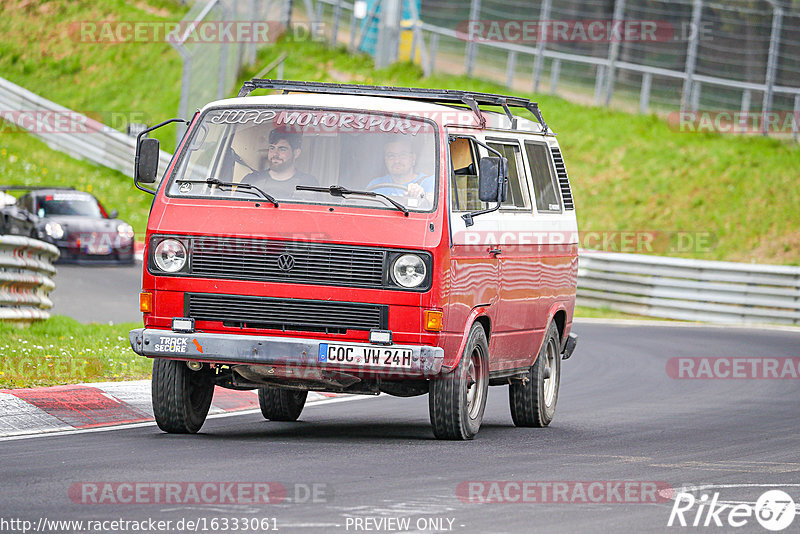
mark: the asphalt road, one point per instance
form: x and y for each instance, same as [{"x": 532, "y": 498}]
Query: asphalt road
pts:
[
  {"x": 620, "y": 417},
  {"x": 98, "y": 294}
]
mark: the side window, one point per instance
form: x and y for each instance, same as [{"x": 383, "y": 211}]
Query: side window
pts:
[
  {"x": 517, "y": 196},
  {"x": 544, "y": 185},
  {"x": 464, "y": 178},
  {"x": 26, "y": 202}
]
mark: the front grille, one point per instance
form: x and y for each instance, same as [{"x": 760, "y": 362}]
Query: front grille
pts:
[
  {"x": 311, "y": 263},
  {"x": 285, "y": 314},
  {"x": 563, "y": 179}
]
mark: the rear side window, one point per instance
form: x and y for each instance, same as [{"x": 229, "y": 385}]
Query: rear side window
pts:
[
  {"x": 464, "y": 178},
  {"x": 544, "y": 185},
  {"x": 517, "y": 196}
]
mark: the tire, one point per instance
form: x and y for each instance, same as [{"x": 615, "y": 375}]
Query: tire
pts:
[
  {"x": 456, "y": 401},
  {"x": 533, "y": 401},
  {"x": 181, "y": 397},
  {"x": 279, "y": 404}
]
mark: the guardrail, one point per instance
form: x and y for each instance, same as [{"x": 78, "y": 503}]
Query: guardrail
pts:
[
  {"x": 685, "y": 73},
  {"x": 695, "y": 290},
  {"x": 26, "y": 278},
  {"x": 68, "y": 131}
]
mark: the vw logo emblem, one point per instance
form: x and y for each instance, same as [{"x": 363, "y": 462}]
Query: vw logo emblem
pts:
[{"x": 285, "y": 262}]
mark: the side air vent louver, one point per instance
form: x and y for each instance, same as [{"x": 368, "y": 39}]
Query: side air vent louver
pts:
[{"x": 563, "y": 179}]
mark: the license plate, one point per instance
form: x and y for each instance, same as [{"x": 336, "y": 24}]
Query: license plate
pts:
[
  {"x": 365, "y": 356},
  {"x": 98, "y": 249}
]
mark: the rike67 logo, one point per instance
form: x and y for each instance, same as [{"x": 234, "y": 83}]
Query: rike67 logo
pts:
[{"x": 774, "y": 510}]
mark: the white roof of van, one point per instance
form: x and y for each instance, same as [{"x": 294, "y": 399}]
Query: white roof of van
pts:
[{"x": 442, "y": 114}]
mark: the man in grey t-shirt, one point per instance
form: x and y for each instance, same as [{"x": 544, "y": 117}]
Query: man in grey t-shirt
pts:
[{"x": 282, "y": 176}]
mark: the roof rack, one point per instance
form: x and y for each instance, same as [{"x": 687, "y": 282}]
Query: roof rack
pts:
[{"x": 469, "y": 98}]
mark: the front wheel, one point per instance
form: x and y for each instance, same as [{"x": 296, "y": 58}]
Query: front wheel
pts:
[
  {"x": 456, "y": 401},
  {"x": 533, "y": 401},
  {"x": 181, "y": 397},
  {"x": 281, "y": 404}
]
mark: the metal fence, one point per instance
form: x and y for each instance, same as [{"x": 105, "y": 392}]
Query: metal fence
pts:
[
  {"x": 211, "y": 67},
  {"x": 695, "y": 290},
  {"x": 739, "y": 60},
  {"x": 26, "y": 278},
  {"x": 92, "y": 141}
]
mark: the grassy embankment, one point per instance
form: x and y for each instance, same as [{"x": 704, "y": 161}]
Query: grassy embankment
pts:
[
  {"x": 629, "y": 172},
  {"x": 115, "y": 83},
  {"x": 64, "y": 351}
]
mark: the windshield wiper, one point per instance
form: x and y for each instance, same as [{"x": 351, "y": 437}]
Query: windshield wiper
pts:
[
  {"x": 249, "y": 188},
  {"x": 339, "y": 191}
]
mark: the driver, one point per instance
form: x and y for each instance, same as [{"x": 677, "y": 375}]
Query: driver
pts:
[
  {"x": 402, "y": 180},
  {"x": 283, "y": 175}
]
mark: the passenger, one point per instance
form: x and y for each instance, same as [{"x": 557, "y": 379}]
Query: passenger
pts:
[
  {"x": 402, "y": 180},
  {"x": 280, "y": 179}
]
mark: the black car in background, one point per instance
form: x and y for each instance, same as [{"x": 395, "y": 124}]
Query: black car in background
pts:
[{"x": 72, "y": 220}]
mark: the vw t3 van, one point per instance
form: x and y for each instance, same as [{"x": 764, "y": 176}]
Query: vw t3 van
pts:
[{"x": 359, "y": 240}]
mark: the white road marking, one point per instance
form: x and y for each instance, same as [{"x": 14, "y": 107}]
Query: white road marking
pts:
[{"x": 68, "y": 431}]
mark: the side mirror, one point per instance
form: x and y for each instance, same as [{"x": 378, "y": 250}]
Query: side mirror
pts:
[
  {"x": 147, "y": 160},
  {"x": 113, "y": 214},
  {"x": 492, "y": 179}
]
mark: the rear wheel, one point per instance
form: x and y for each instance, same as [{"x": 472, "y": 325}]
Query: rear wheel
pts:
[
  {"x": 181, "y": 397},
  {"x": 456, "y": 401},
  {"x": 279, "y": 404},
  {"x": 533, "y": 401}
]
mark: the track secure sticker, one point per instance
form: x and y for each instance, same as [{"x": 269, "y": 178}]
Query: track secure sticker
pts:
[{"x": 170, "y": 344}]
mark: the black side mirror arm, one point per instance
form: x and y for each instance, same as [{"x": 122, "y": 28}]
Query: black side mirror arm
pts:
[{"x": 138, "y": 149}]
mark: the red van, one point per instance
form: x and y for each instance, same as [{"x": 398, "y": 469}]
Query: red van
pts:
[{"x": 359, "y": 239}]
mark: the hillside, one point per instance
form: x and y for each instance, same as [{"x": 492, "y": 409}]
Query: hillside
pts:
[{"x": 632, "y": 173}]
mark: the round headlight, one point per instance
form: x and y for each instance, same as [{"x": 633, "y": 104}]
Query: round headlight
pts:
[
  {"x": 170, "y": 255},
  {"x": 409, "y": 270},
  {"x": 125, "y": 231},
  {"x": 54, "y": 230}
]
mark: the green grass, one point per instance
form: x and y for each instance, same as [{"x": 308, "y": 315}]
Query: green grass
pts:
[
  {"x": 25, "y": 160},
  {"x": 629, "y": 172},
  {"x": 64, "y": 351},
  {"x": 41, "y": 50},
  {"x": 608, "y": 313},
  {"x": 115, "y": 83}
]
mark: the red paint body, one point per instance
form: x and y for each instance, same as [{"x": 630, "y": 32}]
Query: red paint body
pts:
[{"x": 518, "y": 292}]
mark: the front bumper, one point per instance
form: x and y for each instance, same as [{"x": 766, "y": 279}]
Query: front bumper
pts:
[
  {"x": 278, "y": 351},
  {"x": 73, "y": 254}
]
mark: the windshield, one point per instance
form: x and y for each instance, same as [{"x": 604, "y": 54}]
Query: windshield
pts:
[
  {"x": 69, "y": 204},
  {"x": 276, "y": 150}
]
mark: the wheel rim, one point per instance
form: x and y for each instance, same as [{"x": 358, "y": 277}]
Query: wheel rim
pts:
[
  {"x": 551, "y": 366},
  {"x": 475, "y": 383}
]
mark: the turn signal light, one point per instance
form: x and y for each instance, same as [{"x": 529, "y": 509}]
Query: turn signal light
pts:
[
  {"x": 433, "y": 320},
  {"x": 145, "y": 302}
]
